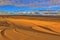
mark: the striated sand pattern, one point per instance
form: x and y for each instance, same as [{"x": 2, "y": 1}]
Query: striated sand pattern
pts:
[{"x": 29, "y": 28}]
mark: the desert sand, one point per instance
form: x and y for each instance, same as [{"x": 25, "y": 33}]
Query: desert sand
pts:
[{"x": 29, "y": 28}]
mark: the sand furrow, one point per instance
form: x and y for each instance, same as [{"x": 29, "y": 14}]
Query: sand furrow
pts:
[{"x": 28, "y": 28}]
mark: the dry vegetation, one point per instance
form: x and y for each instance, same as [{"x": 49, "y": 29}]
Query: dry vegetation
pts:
[{"x": 29, "y": 28}]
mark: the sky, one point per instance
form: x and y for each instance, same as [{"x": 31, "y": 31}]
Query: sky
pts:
[{"x": 28, "y": 5}]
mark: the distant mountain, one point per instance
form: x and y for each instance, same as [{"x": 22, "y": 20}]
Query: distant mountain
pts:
[{"x": 32, "y": 13}]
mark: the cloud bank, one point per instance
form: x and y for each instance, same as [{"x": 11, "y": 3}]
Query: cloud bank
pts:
[{"x": 31, "y": 3}]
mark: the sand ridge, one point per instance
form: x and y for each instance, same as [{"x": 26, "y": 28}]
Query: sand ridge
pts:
[{"x": 29, "y": 28}]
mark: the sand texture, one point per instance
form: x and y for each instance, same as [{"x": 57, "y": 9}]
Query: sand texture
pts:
[{"x": 29, "y": 28}]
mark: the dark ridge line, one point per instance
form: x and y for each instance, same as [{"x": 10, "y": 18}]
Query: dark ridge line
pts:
[
  {"x": 16, "y": 26},
  {"x": 33, "y": 30},
  {"x": 32, "y": 16},
  {"x": 30, "y": 29},
  {"x": 3, "y": 35},
  {"x": 46, "y": 33},
  {"x": 47, "y": 28},
  {"x": 2, "y": 32}
]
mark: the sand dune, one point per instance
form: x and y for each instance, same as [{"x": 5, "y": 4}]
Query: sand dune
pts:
[{"x": 29, "y": 28}]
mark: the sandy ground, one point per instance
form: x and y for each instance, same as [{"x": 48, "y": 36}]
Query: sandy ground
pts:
[{"x": 29, "y": 28}]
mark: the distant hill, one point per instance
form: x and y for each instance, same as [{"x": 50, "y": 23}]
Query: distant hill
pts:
[
  {"x": 54, "y": 13},
  {"x": 6, "y": 13}
]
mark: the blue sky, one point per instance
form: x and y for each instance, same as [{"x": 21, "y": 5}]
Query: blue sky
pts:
[{"x": 28, "y": 5}]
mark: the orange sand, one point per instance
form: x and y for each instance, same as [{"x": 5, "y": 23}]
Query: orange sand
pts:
[{"x": 29, "y": 28}]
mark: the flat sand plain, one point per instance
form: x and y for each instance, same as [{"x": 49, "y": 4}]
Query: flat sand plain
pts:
[{"x": 29, "y": 28}]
